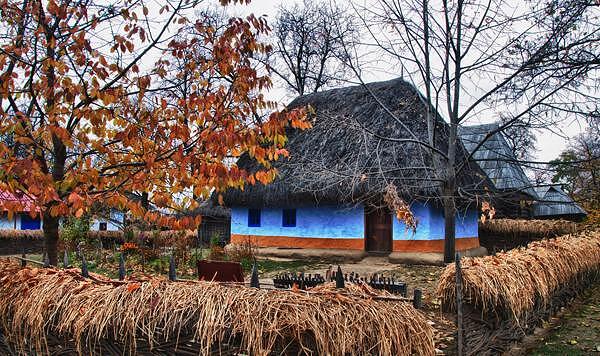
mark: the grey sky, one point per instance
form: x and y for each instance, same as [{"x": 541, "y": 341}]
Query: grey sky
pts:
[{"x": 550, "y": 142}]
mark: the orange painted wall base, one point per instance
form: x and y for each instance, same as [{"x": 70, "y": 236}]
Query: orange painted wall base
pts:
[
  {"x": 351, "y": 243},
  {"x": 301, "y": 242},
  {"x": 462, "y": 244}
]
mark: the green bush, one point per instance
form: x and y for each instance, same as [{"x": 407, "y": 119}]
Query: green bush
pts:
[{"x": 75, "y": 230}]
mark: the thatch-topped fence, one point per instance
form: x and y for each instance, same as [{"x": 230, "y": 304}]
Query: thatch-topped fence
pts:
[
  {"x": 507, "y": 295},
  {"x": 506, "y": 234},
  {"x": 59, "y": 311}
]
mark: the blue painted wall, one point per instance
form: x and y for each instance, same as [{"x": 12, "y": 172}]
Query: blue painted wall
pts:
[
  {"x": 467, "y": 224},
  {"x": 431, "y": 224},
  {"x": 322, "y": 221},
  {"x": 336, "y": 222}
]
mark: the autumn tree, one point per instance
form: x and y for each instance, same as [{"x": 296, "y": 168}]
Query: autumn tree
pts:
[
  {"x": 578, "y": 169},
  {"x": 308, "y": 40},
  {"x": 89, "y": 121}
]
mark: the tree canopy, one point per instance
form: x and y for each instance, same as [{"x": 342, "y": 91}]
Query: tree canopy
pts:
[{"x": 86, "y": 118}]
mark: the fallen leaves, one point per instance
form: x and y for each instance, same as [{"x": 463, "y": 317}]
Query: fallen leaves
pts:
[{"x": 132, "y": 287}]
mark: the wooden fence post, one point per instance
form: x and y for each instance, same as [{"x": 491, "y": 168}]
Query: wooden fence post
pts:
[
  {"x": 459, "y": 312},
  {"x": 121, "y": 267},
  {"x": 66, "y": 260},
  {"x": 339, "y": 278},
  {"x": 172, "y": 269},
  {"x": 23, "y": 261},
  {"x": 417, "y": 298},
  {"x": 84, "y": 267},
  {"x": 254, "y": 282}
]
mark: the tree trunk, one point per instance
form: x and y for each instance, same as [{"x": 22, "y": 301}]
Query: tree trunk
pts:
[
  {"x": 449, "y": 194},
  {"x": 449, "y": 225},
  {"x": 51, "y": 238}
]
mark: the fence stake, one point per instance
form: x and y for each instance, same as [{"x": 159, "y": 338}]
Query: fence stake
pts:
[
  {"x": 84, "y": 268},
  {"x": 99, "y": 252},
  {"x": 459, "y": 312},
  {"x": 172, "y": 270},
  {"x": 66, "y": 260},
  {"x": 23, "y": 261},
  {"x": 417, "y": 298},
  {"x": 254, "y": 277},
  {"x": 121, "y": 268},
  {"x": 46, "y": 260},
  {"x": 339, "y": 278}
]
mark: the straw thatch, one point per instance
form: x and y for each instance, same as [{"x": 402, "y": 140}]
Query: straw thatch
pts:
[
  {"x": 38, "y": 306},
  {"x": 527, "y": 229},
  {"x": 349, "y": 155},
  {"x": 515, "y": 282}
]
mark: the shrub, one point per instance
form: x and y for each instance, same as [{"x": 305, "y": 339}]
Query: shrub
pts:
[
  {"x": 217, "y": 252},
  {"x": 245, "y": 251},
  {"x": 74, "y": 231}
]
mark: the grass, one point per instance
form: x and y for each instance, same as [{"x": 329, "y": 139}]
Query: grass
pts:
[
  {"x": 578, "y": 331},
  {"x": 554, "y": 349}
]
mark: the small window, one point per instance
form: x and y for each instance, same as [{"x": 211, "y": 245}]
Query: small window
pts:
[
  {"x": 289, "y": 218},
  {"x": 103, "y": 226},
  {"x": 254, "y": 217}
]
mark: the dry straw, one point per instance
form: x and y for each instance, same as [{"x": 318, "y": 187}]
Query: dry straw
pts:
[
  {"x": 513, "y": 282},
  {"x": 36, "y": 303},
  {"x": 527, "y": 228}
]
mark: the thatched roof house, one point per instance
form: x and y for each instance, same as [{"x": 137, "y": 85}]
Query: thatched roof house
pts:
[
  {"x": 329, "y": 193},
  {"x": 22, "y": 220}
]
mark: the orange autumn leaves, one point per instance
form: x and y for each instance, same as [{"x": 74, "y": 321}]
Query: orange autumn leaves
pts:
[
  {"x": 487, "y": 212},
  {"x": 88, "y": 120}
]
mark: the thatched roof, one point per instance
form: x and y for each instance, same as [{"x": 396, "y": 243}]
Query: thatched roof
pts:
[
  {"x": 553, "y": 201},
  {"x": 344, "y": 158},
  {"x": 211, "y": 209},
  {"x": 496, "y": 158}
]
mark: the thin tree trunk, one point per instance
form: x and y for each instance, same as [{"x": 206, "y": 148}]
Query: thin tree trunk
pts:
[
  {"x": 449, "y": 226},
  {"x": 449, "y": 197},
  {"x": 51, "y": 237}
]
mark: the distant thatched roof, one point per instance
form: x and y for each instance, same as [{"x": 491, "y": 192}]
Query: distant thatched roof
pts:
[
  {"x": 343, "y": 158},
  {"x": 553, "y": 201},
  {"x": 211, "y": 209},
  {"x": 496, "y": 158}
]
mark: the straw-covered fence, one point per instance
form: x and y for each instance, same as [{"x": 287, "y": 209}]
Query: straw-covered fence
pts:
[
  {"x": 32, "y": 241},
  {"x": 118, "y": 236},
  {"x": 58, "y": 311},
  {"x": 506, "y": 234},
  {"x": 508, "y": 294}
]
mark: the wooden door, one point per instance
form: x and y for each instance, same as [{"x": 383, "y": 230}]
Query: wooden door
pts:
[{"x": 378, "y": 230}]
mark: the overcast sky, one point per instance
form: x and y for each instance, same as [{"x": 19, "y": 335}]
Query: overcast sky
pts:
[{"x": 550, "y": 143}]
